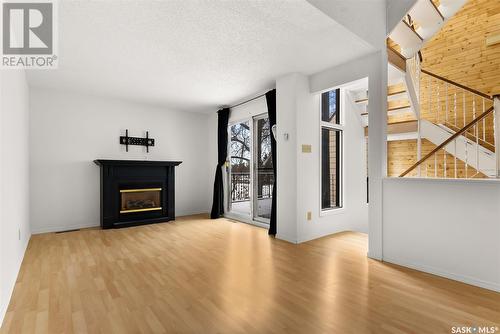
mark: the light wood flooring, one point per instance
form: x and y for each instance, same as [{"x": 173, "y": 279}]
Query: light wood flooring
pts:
[{"x": 195, "y": 275}]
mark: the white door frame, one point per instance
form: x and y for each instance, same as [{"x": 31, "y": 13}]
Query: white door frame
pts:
[{"x": 255, "y": 201}]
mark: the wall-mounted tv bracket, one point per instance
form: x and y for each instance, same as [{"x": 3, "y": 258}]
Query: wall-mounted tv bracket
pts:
[{"x": 126, "y": 140}]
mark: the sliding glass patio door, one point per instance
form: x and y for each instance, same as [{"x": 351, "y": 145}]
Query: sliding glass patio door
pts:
[
  {"x": 263, "y": 170},
  {"x": 240, "y": 162},
  {"x": 250, "y": 172}
]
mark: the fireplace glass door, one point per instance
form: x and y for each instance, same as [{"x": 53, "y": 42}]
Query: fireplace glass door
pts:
[{"x": 139, "y": 200}]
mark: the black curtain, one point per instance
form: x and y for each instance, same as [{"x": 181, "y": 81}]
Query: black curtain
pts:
[
  {"x": 271, "y": 110},
  {"x": 218, "y": 199}
]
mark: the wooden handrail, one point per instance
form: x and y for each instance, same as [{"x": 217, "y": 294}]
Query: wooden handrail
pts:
[
  {"x": 449, "y": 140},
  {"x": 486, "y": 96},
  {"x": 472, "y": 137}
]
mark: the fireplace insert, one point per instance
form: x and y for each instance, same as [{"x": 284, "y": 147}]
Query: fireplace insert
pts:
[
  {"x": 136, "y": 192},
  {"x": 140, "y": 200}
]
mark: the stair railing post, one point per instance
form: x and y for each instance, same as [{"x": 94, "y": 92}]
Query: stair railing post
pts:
[
  {"x": 496, "y": 117},
  {"x": 419, "y": 146}
]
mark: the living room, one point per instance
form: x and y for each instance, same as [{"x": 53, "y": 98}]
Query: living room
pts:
[{"x": 239, "y": 166}]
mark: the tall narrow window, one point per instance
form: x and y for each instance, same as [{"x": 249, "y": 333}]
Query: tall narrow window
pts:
[{"x": 331, "y": 150}]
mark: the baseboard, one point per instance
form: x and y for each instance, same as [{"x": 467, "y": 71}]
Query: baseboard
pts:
[
  {"x": 60, "y": 228},
  {"x": 456, "y": 277},
  {"x": 286, "y": 238},
  {"x": 5, "y": 303},
  {"x": 374, "y": 256},
  {"x": 320, "y": 235}
]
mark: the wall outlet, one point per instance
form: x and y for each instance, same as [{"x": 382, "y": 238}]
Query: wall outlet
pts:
[
  {"x": 19, "y": 234},
  {"x": 309, "y": 215}
]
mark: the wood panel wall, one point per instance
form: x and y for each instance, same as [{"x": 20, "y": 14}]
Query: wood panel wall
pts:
[
  {"x": 402, "y": 154},
  {"x": 459, "y": 52}
]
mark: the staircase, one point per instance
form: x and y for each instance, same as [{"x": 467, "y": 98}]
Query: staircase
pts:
[
  {"x": 424, "y": 19},
  {"x": 453, "y": 125},
  {"x": 461, "y": 122},
  {"x": 478, "y": 161}
]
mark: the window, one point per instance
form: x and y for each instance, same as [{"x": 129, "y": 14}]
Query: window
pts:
[{"x": 331, "y": 150}]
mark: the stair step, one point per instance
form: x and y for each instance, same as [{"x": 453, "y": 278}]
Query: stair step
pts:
[
  {"x": 400, "y": 109},
  {"x": 395, "y": 76},
  {"x": 396, "y": 95},
  {"x": 407, "y": 38},
  {"x": 428, "y": 17},
  {"x": 394, "y": 110},
  {"x": 398, "y": 87},
  {"x": 404, "y": 127}
]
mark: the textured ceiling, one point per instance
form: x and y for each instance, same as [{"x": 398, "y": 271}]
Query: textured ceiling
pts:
[{"x": 191, "y": 55}]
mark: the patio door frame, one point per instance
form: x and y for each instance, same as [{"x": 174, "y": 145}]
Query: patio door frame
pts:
[
  {"x": 255, "y": 159},
  {"x": 249, "y": 219}
]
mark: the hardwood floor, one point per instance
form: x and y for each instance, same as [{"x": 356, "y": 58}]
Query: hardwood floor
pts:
[{"x": 200, "y": 276}]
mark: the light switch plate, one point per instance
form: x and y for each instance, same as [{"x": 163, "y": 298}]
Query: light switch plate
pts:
[{"x": 309, "y": 215}]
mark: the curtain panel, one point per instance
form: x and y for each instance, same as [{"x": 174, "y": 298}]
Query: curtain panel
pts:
[{"x": 218, "y": 197}]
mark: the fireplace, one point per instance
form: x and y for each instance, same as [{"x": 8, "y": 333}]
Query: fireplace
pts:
[
  {"x": 140, "y": 200},
  {"x": 136, "y": 192}
]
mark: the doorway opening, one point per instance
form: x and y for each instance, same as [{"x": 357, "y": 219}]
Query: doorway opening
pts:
[{"x": 250, "y": 170}]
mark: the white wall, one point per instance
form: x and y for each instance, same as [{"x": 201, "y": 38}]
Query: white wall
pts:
[
  {"x": 353, "y": 216},
  {"x": 298, "y": 186},
  {"x": 445, "y": 227},
  {"x": 374, "y": 67},
  {"x": 14, "y": 180},
  {"x": 69, "y": 131},
  {"x": 287, "y": 89}
]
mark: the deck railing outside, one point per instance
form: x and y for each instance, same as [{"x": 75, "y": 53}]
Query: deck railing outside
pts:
[{"x": 240, "y": 185}]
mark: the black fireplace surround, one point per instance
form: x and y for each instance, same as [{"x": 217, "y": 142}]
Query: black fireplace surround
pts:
[{"x": 136, "y": 192}]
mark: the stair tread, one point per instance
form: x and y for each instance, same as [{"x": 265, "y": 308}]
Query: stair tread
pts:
[
  {"x": 388, "y": 95},
  {"x": 397, "y": 92},
  {"x": 405, "y": 36},
  {"x": 392, "y": 109},
  {"x": 399, "y": 108}
]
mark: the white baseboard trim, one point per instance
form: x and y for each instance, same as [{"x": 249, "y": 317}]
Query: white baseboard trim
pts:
[
  {"x": 438, "y": 272},
  {"x": 4, "y": 304},
  {"x": 60, "y": 228},
  {"x": 319, "y": 235},
  {"x": 374, "y": 256},
  {"x": 286, "y": 238}
]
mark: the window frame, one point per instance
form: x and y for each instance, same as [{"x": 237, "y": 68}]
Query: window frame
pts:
[{"x": 340, "y": 128}]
